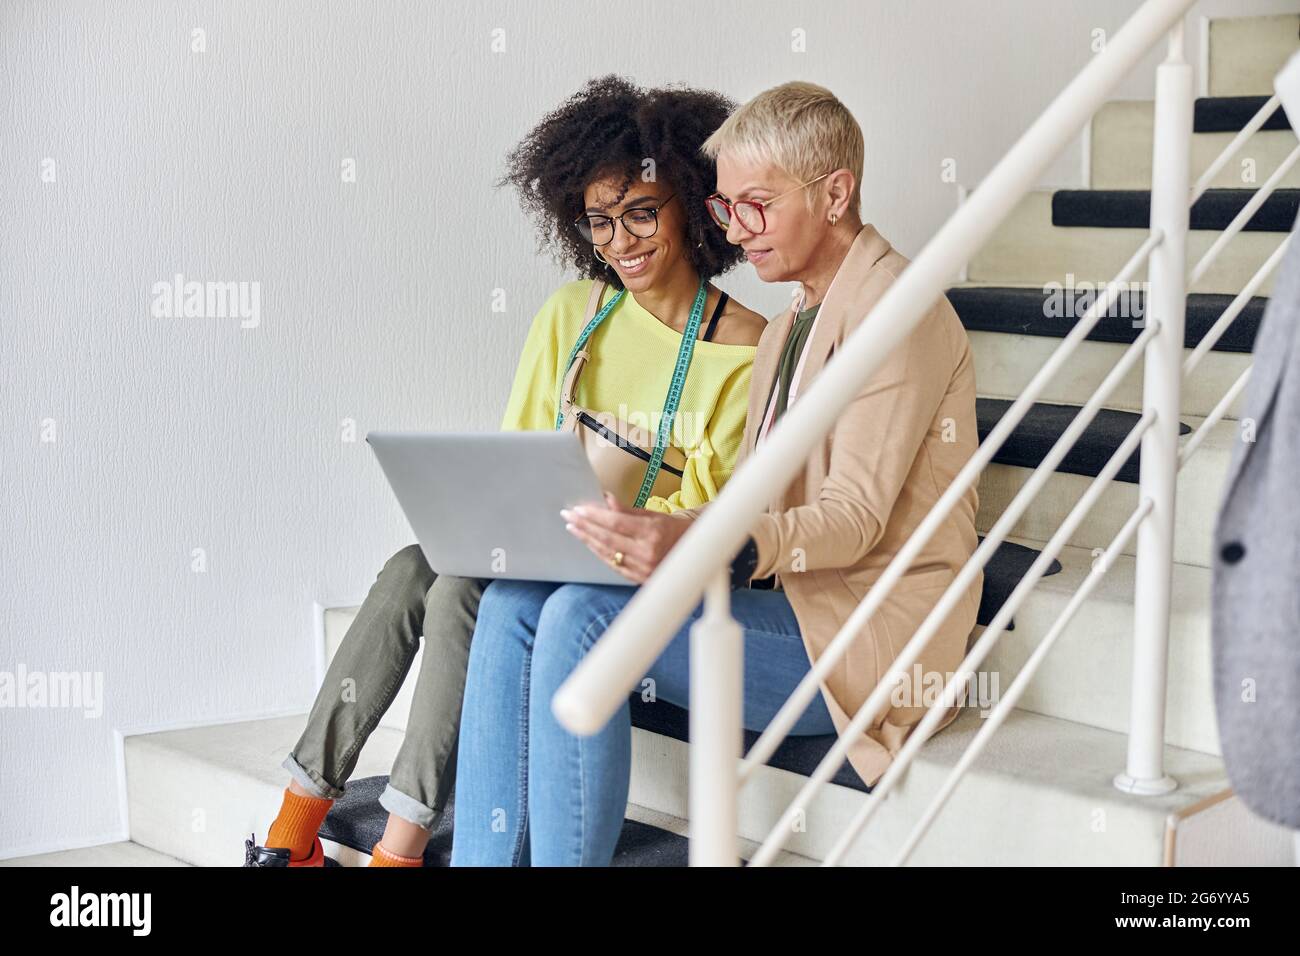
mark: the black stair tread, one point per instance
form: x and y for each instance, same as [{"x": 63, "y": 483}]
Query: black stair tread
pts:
[
  {"x": 1131, "y": 209},
  {"x": 1037, "y": 311},
  {"x": 1036, "y": 433},
  {"x": 357, "y": 820},
  {"x": 1228, "y": 114},
  {"x": 1006, "y": 569}
]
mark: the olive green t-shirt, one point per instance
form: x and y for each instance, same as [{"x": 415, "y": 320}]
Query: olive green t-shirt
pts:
[{"x": 794, "y": 344}]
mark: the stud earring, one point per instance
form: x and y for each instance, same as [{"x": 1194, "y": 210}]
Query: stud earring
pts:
[{"x": 834, "y": 218}]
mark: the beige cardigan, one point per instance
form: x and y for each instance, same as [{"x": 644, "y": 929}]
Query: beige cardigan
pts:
[{"x": 866, "y": 487}]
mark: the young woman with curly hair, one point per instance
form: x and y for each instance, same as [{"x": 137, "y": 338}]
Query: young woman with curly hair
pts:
[{"x": 616, "y": 181}]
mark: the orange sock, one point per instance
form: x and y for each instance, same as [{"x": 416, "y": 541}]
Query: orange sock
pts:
[
  {"x": 380, "y": 856},
  {"x": 300, "y": 817}
]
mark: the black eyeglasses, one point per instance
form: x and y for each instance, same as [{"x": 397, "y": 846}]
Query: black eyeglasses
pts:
[{"x": 642, "y": 222}]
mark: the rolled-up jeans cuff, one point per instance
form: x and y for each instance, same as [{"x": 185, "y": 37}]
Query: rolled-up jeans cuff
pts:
[
  {"x": 311, "y": 781},
  {"x": 409, "y": 808}
]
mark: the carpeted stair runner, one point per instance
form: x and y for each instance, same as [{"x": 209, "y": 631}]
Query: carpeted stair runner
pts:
[
  {"x": 1131, "y": 209},
  {"x": 1228, "y": 114},
  {"x": 1043, "y": 424},
  {"x": 357, "y": 820},
  {"x": 1021, "y": 311}
]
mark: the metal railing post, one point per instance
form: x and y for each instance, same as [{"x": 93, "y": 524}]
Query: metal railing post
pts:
[
  {"x": 1166, "y": 301},
  {"x": 716, "y": 709}
]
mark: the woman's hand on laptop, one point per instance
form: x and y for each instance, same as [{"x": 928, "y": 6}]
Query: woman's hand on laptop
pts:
[{"x": 641, "y": 537}]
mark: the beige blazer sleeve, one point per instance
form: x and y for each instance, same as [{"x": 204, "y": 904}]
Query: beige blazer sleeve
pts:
[{"x": 873, "y": 447}]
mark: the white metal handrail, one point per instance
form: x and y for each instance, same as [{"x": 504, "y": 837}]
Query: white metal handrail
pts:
[{"x": 609, "y": 672}]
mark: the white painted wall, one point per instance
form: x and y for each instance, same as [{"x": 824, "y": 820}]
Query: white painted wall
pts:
[{"x": 182, "y": 434}]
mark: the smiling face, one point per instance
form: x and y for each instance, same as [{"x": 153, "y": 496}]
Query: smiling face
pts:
[
  {"x": 640, "y": 262},
  {"x": 785, "y": 250}
]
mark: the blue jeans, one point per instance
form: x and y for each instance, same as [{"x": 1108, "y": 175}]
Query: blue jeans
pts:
[{"x": 528, "y": 792}]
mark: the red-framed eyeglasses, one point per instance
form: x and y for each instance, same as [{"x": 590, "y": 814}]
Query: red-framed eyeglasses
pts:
[{"x": 748, "y": 211}]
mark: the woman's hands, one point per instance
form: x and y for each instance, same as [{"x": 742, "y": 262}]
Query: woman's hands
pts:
[{"x": 642, "y": 537}]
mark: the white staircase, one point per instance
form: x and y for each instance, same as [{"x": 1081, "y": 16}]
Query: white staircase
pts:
[{"x": 1042, "y": 792}]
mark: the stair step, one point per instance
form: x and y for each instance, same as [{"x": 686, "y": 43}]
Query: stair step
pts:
[
  {"x": 1005, "y": 364},
  {"x": 1121, "y": 143},
  {"x": 1087, "y": 676},
  {"x": 681, "y": 827},
  {"x": 1054, "y": 313},
  {"x": 1033, "y": 437},
  {"x": 1131, "y": 209},
  {"x": 1200, "y": 484},
  {"x": 1027, "y": 250},
  {"x": 121, "y": 853},
  {"x": 1013, "y": 332},
  {"x": 1245, "y": 53},
  {"x": 1036, "y": 792},
  {"x": 1230, "y": 114},
  {"x": 357, "y": 821},
  {"x": 196, "y": 794},
  {"x": 660, "y": 755},
  {"x": 1005, "y": 570}
]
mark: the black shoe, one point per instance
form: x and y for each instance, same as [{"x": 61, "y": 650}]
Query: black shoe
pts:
[{"x": 255, "y": 855}]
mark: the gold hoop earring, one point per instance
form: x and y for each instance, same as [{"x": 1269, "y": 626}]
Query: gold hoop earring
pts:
[{"x": 834, "y": 218}]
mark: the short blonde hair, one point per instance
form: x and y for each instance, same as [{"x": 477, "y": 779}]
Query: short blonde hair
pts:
[{"x": 801, "y": 128}]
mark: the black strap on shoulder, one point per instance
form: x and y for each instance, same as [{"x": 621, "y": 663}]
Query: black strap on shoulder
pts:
[{"x": 713, "y": 320}]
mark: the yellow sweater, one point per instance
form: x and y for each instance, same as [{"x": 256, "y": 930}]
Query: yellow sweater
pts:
[{"x": 632, "y": 360}]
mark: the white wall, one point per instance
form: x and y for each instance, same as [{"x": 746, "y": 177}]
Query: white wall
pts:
[{"x": 182, "y": 434}]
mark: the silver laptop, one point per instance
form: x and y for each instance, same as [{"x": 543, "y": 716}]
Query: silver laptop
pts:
[{"x": 488, "y": 505}]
